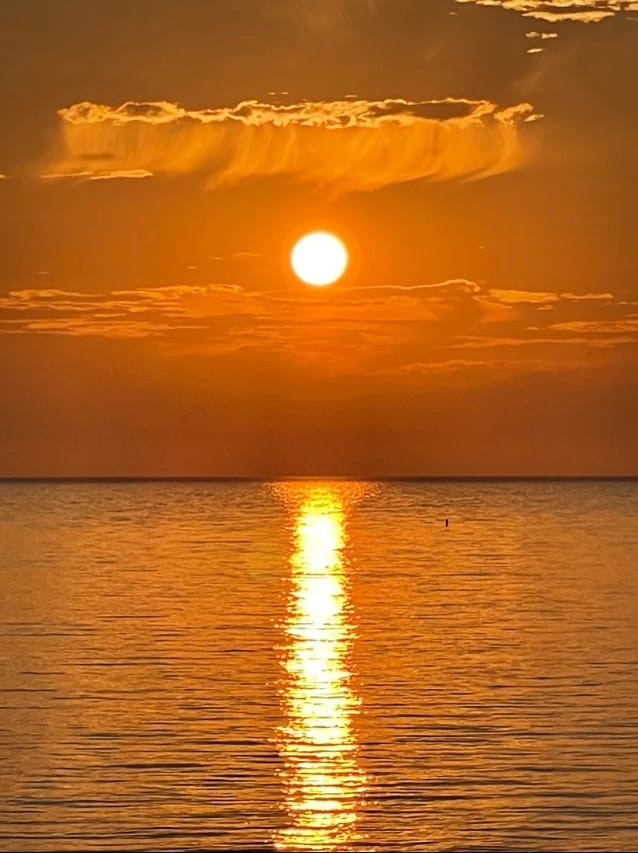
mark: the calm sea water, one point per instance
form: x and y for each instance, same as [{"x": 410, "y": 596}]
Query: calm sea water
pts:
[{"x": 319, "y": 666}]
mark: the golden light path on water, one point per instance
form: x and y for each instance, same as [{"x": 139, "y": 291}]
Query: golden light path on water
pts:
[{"x": 323, "y": 780}]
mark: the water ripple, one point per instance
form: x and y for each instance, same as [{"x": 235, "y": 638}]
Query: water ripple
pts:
[{"x": 319, "y": 666}]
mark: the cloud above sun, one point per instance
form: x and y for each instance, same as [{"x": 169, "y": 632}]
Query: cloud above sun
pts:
[
  {"x": 555, "y": 11},
  {"x": 346, "y": 145}
]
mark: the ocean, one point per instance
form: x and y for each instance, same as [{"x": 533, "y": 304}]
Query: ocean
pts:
[{"x": 319, "y": 665}]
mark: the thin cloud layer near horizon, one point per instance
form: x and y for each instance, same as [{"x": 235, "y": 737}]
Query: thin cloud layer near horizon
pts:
[{"x": 476, "y": 157}]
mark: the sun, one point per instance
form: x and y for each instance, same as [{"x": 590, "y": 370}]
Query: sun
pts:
[{"x": 319, "y": 258}]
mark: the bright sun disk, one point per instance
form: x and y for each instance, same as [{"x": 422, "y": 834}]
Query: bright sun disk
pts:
[{"x": 319, "y": 258}]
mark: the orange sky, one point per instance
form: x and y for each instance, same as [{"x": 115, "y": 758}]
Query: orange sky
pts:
[{"x": 159, "y": 159}]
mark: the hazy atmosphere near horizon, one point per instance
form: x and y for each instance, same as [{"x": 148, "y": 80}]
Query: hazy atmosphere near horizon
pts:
[{"x": 477, "y": 160}]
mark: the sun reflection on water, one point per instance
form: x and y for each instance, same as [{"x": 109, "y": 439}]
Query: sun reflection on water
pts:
[{"x": 323, "y": 780}]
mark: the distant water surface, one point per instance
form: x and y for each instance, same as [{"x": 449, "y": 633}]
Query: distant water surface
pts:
[{"x": 319, "y": 666}]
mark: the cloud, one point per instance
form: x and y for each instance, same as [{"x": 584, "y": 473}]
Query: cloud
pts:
[
  {"x": 438, "y": 328},
  {"x": 104, "y": 175},
  {"x": 98, "y": 327},
  {"x": 430, "y": 368},
  {"x": 554, "y": 11},
  {"x": 352, "y": 144},
  {"x": 117, "y": 314},
  {"x": 122, "y": 173},
  {"x": 242, "y": 256},
  {"x": 514, "y": 297},
  {"x": 599, "y": 327},
  {"x": 491, "y": 369}
]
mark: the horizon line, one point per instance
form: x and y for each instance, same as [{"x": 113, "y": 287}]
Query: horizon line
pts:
[{"x": 397, "y": 478}]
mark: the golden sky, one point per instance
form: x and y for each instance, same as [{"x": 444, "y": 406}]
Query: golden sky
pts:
[{"x": 159, "y": 159}]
